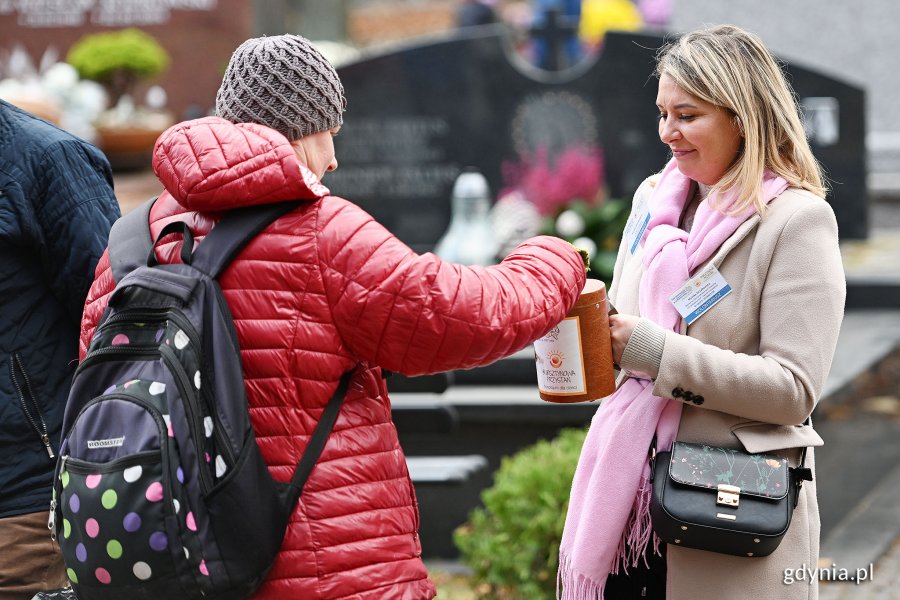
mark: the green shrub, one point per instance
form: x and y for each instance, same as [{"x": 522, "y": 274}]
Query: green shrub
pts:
[
  {"x": 118, "y": 59},
  {"x": 512, "y": 542}
]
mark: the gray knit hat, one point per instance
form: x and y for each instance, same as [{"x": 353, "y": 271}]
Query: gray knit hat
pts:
[{"x": 282, "y": 82}]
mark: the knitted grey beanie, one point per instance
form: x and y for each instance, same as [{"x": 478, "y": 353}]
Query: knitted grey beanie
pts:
[{"x": 282, "y": 82}]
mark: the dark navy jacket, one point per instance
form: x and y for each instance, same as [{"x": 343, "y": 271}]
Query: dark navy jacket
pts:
[{"x": 56, "y": 209}]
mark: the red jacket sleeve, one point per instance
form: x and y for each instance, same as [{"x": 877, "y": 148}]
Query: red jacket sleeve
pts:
[
  {"x": 97, "y": 299},
  {"x": 417, "y": 314}
]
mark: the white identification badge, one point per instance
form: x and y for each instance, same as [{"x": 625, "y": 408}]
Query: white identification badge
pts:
[
  {"x": 637, "y": 224},
  {"x": 700, "y": 293}
]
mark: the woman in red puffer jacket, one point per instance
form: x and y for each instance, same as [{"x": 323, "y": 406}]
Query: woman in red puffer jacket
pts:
[{"x": 325, "y": 289}]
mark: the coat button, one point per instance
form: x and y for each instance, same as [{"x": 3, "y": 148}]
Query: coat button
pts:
[
  {"x": 698, "y": 400},
  {"x": 688, "y": 396},
  {"x": 677, "y": 392}
]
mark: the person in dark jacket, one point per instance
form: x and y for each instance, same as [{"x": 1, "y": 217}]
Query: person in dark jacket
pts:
[{"x": 56, "y": 208}]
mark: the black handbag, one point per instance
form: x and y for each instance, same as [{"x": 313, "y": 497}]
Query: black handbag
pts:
[{"x": 723, "y": 500}]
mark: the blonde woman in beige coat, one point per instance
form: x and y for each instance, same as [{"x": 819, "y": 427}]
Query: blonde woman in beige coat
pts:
[{"x": 749, "y": 371}]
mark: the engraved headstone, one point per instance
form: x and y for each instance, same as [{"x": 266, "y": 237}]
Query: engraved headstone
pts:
[{"x": 419, "y": 115}]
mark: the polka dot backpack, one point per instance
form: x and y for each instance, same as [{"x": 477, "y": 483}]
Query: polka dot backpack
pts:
[{"x": 160, "y": 489}]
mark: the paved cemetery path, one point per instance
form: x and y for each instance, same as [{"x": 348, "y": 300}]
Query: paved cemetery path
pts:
[{"x": 861, "y": 516}]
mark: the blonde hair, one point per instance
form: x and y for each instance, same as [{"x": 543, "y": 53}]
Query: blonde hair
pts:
[{"x": 731, "y": 68}]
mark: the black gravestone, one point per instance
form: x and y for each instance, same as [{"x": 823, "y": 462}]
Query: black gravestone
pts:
[
  {"x": 418, "y": 116},
  {"x": 834, "y": 112}
]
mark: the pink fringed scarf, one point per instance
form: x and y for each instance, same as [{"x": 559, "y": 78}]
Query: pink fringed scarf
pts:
[{"x": 608, "y": 523}]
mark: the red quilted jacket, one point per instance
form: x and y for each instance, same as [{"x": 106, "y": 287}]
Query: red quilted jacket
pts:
[{"x": 322, "y": 290}]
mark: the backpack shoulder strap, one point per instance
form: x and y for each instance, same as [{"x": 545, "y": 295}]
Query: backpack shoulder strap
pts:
[
  {"x": 225, "y": 240},
  {"x": 129, "y": 241},
  {"x": 316, "y": 443},
  {"x": 234, "y": 231}
]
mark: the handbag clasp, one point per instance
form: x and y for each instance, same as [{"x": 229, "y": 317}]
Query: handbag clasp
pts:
[{"x": 729, "y": 495}]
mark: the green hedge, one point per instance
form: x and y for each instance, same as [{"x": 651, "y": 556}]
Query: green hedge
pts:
[{"x": 512, "y": 542}]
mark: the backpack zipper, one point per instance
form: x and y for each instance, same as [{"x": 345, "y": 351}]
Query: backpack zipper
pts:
[
  {"x": 126, "y": 317},
  {"x": 221, "y": 440},
  {"x": 78, "y": 465},
  {"x": 37, "y": 417},
  {"x": 136, "y": 316},
  {"x": 51, "y": 522},
  {"x": 104, "y": 354},
  {"x": 205, "y": 392},
  {"x": 194, "y": 413}
]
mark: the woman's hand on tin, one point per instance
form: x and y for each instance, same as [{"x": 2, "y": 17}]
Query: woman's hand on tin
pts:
[{"x": 620, "y": 330}]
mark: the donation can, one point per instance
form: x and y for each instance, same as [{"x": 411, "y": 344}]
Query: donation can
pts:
[{"x": 574, "y": 360}]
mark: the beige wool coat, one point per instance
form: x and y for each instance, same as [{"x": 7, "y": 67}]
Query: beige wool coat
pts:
[{"x": 756, "y": 364}]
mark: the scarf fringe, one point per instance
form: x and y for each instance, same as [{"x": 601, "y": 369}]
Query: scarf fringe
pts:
[
  {"x": 575, "y": 586},
  {"x": 637, "y": 533}
]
